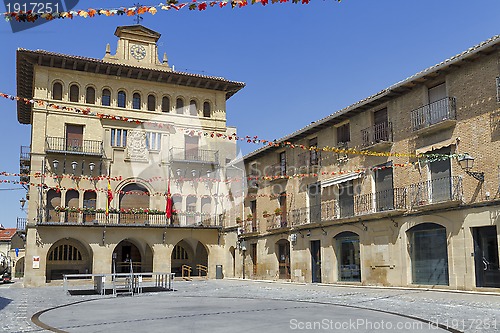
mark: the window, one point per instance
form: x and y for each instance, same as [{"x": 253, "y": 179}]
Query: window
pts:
[
  {"x": 153, "y": 141},
  {"x": 179, "y": 106},
  {"x": 206, "y": 110},
  {"x": 180, "y": 253},
  {"x": 57, "y": 91},
  {"x": 343, "y": 134},
  {"x": 136, "y": 101},
  {"x": 151, "y": 103},
  {"x": 122, "y": 99},
  {"x": 106, "y": 97},
  {"x": 498, "y": 89},
  {"x": 282, "y": 169},
  {"x": 90, "y": 95},
  {"x": 65, "y": 252},
  {"x": 314, "y": 154},
  {"x": 74, "y": 93},
  {"x": 346, "y": 199},
  {"x": 165, "y": 104},
  {"x": 193, "y": 108},
  {"x": 118, "y": 137},
  {"x": 74, "y": 138}
]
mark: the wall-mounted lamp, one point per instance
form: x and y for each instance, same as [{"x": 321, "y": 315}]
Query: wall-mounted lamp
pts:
[
  {"x": 55, "y": 164},
  {"x": 22, "y": 201},
  {"x": 467, "y": 163},
  {"x": 91, "y": 167},
  {"x": 308, "y": 233},
  {"x": 178, "y": 172},
  {"x": 193, "y": 173},
  {"x": 73, "y": 166},
  {"x": 178, "y": 180}
]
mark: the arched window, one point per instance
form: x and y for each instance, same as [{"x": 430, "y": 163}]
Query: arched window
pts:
[
  {"x": 122, "y": 98},
  {"x": 206, "y": 110},
  {"x": 65, "y": 252},
  {"x": 90, "y": 95},
  {"x": 179, "y": 106},
  {"x": 136, "y": 101},
  {"x": 151, "y": 103},
  {"x": 57, "y": 91},
  {"x": 165, "y": 104},
  {"x": 179, "y": 253},
  {"x": 106, "y": 97},
  {"x": 193, "y": 109},
  {"x": 74, "y": 93}
]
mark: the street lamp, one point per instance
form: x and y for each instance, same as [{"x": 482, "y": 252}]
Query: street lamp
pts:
[
  {"x": 467, "y": 163},
  {"x": 74, "y": 164},
  {"x": 22, "y": 201},
  {"x": 91, "y": 167}
]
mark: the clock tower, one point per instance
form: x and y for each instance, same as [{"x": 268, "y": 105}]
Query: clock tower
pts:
[{"x": 137, "y": 47}]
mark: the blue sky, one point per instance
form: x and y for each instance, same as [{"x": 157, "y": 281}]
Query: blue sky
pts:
[{"x": 300, "y": 62}]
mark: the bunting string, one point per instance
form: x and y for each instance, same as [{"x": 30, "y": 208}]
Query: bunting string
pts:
[
  {"x": 247, "y": 139},
  {"x": 30, "y": 13}
]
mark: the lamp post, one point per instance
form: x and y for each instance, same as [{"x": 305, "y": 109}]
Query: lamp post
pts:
[{"x": 467, "y": 163}]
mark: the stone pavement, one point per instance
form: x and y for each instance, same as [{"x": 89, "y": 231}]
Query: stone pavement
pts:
[{"x": 244, "y": 306}]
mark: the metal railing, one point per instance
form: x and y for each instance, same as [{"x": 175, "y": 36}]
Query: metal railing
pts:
[
  {"x": 435, "y": 191},
  {"x": 250, "y": 226},
  {"x": 277, "y": 169},
  {"x": 433, "y": 113},
  {"x": 181, "y": 219},
  {"x": 73, "y": 146},
  {"x": 194, "y": 155},
  {"x": 277, "y": 222},
  {"x": 377, "y": 133},
  {"x": 308, "y": 161},
  {"x": 21, "y": 223},
  {"x": 25, "y": 154}
]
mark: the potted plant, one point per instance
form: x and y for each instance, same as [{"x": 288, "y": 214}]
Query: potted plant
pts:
[
  {"x": 278, "y": 211},
  {"x": 265, "y": 214},
  {"x": 238, "y": 220},
  {"x": 249, "y": 217}
]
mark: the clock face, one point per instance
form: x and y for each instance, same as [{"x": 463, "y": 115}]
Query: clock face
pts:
[{"x": 138, "y": 51}]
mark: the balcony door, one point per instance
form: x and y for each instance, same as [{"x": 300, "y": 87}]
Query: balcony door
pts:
[
  {"x": 314, "y": 192},
  {"x": 191, "y": 148},
  {"x": 316, "y": 261},
  {"x": 346, "y": 199},
  {"x": 384, "y": 188},
  {"x": 74, "y": 137},
  {"x": 282, "y": 202},
  {"x": 440, "y": 175},
  {"x": 381, "y": 125},
  {"x": 437, "y": 111}
]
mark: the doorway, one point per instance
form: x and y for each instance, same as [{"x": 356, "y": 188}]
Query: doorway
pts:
[
  {"x": 316, "y": 261},
  {"x": 284, "y": 259},
  {"x": 486, "y": 257}
]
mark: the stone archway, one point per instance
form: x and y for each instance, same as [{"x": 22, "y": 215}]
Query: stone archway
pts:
[
  {"x": 68, "y": 256},
  {"x": 19, "y": 268},
  {"x": 192, "y": 253},
  {"x": 129, "y": 253},
  {"x": 232, "y": 251},
  {"x": 428, "y": 251}
]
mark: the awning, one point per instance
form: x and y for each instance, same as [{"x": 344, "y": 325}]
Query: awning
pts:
[
  {"x": 436, "y": 146},
  {"x": 341, "y": 179}
]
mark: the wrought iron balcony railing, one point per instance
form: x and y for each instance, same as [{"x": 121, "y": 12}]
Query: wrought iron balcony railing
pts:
[
  {"x": 181, "y": 219},
  {"x": 308, "y": 161},
  {"x": 376, "y": 134},
  {"x": 435, "y": 191},
  {"x": 277, "y": 170},
  {"x": 73, "y": 146},
  {"x": 21, "y": 223},
  {"x": 277, "y": 222},
  {"x": 25, "y": 154},
  {"x": 433, "y": 113},
  {"x": 194, "y": 155}
]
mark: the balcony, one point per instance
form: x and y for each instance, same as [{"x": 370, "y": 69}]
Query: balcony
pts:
[
  {"x": 277, "y": 171},
  {"x": 181, "y": 219},
  {"x": 250, "y": 226},
  {"x": 275, "y": 222},
  {"x": 25, "y": 163},
  {"x": 434, "y": 116},
  {"x": 73, "y": 146},
  {"x": 202, "y": 156},
  {"x": 441, "y": 191},
  {"x": 308, "y": 162},
  {"x": 21, "y": 223},
  {"x": 377, "y": 137},
  {"x": 378, "y": 203}
]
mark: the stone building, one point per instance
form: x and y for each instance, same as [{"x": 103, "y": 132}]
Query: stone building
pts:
[
  {"x": 390, "y": 196},
  {"x": 131, "y": 121}
]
